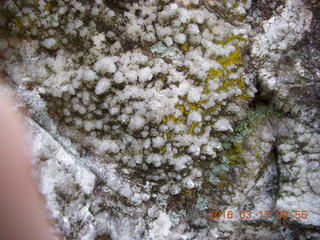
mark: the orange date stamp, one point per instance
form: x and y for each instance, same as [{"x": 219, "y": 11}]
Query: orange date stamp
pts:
[{"x": 258, "y": 215}]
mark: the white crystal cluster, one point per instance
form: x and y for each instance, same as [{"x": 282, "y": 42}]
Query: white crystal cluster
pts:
[{"x": 152, "y": 88}]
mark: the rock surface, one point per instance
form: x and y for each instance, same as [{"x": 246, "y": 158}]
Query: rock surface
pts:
[{"x": 148, "y": 115}]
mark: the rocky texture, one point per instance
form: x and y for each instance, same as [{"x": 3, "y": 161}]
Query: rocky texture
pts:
[{"x": 146, "y": 115}]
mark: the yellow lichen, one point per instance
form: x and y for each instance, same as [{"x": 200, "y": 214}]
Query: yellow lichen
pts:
[
  {"x": 173, "y": 118},
  {"x": 237, "y": 38},
  {"x": 227, "y": 83},
  {"x": 213, "y": 73},
  {"x": 182, "y": 109},
  {"x": 162, "y": 78},
  {"x": 197, "y": 105},
  {"x": 192, "y": 127},
  {"x": 163, "y": 150},
  {"x": 190, "y": 6},
  {"x": 167, "y": 135},
  {"x": 233, "y": 58},
  {"x": 187, "y": 192},
  {"x": 185, "y": 46},
  {"x": 228, "y": 65},
  {"x": 50, "y": 4},
  {"x": 18, "y": 23},
  {"x": 211, "y": 109}
]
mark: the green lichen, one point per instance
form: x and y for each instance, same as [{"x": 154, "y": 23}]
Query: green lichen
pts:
[
  {"x": 175, "y": 216},
  {"x": 202, "y": 203},
  {"x": 234, "y": 146},
  {"x": 164, "y": 51}
]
